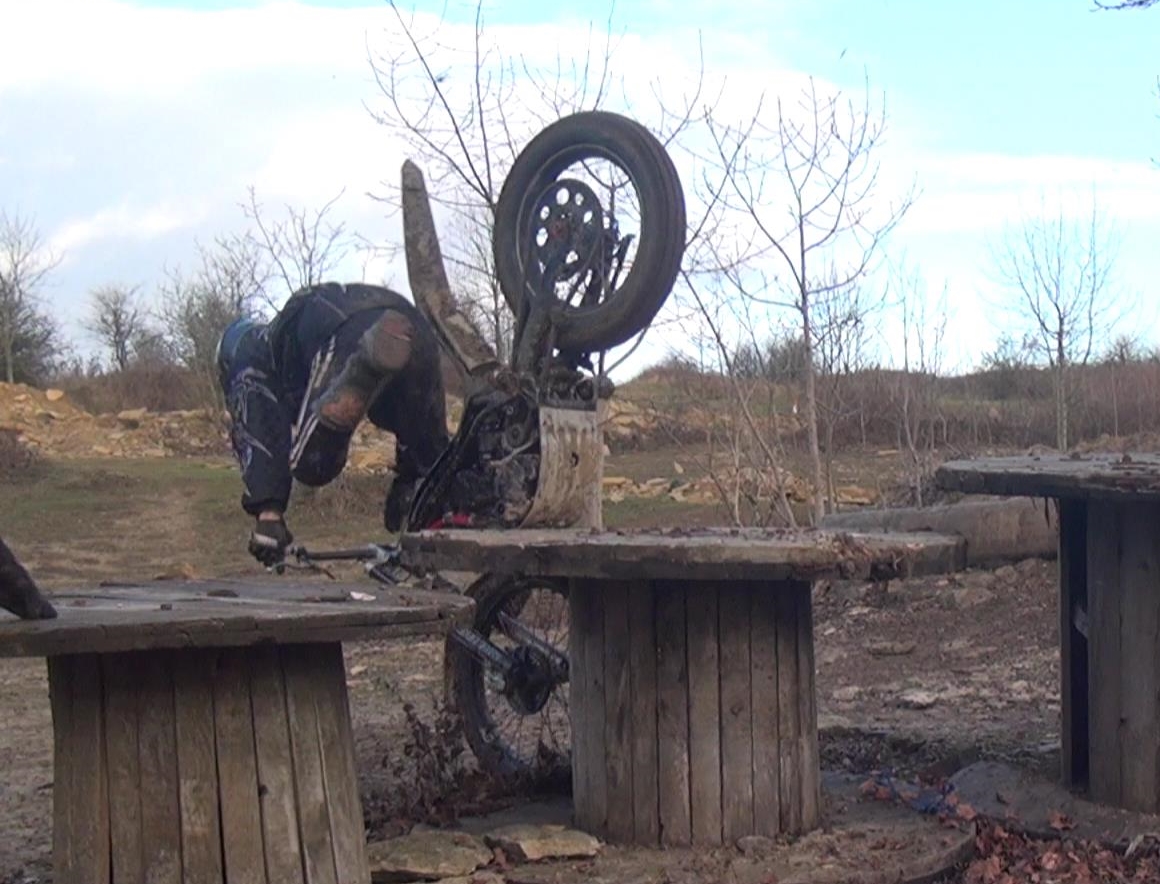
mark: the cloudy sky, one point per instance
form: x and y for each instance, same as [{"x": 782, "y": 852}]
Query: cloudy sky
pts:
[{"x": 130, "y": 130}]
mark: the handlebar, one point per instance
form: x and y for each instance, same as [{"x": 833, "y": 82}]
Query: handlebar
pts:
[{"x": 381, "y": 562}]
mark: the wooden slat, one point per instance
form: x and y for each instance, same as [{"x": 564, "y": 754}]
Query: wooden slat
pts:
[
  {"x": 201, "y": 852},
  {"x": 1073, "y": 668},
  {"x": 1139, "y": 665},
  {"x": 105, "y": 630},
  {"x": 809, "y": 771},
  {"x": 736, "y": 715},
  {"x": 241, "y": 818},
  {"x": 60, "y": 682},
  {"x": 689, "y": 554},
  {"x": 586, "y": 704},
  {"x": 643, "y": 680},
  {"x": 279, "y": 809},
  {"x": 788, "y": 715},
  {"x": 618, "y": 713},
  {"x": 90, "y": 796},
  {"x": 338, "y": 765},
  {"x": 764, "y": 705},
  {"x": 122, "y": 675},
  {"x": 1091, "y": 476},
  {"x": 672, "y": 716},
  {"x": 581, "y": 610},
  {"x": 705, "y": 727},
  {"x": 1104, "y": 563},
  {"x": 305, "y": 746},
  {"x": 157, "y": 748}
]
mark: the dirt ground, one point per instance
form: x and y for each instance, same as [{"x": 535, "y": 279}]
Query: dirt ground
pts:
[{"x": 920, "y": 676}]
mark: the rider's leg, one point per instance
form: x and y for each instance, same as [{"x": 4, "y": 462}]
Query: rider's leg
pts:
[
  {"x": 414, "y": 408},
  {"x": 357, "y": 363}
]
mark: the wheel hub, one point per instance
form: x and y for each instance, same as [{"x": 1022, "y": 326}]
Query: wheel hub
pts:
[
  {"x": 530, "y": 683},
  {"x": 568, "y": 228}
]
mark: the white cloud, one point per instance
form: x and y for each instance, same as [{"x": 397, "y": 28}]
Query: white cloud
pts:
[{"x": 144, "y": 127}]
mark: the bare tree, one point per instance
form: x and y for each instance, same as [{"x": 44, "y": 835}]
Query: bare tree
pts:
[
  {"x": 917, "y": 396},
  {"x": 197, "y": 306},
  {"x": 843, "y": 324},
  {"x": 27, "y": 333},
  {"x": 1126, "y": 4},
  {"x": 465, "y": 115},
  {"x": 807, "y": 183},
  {"x": 118, "y": 321},
  {"x": 302, "y": 248},
  {"x": 1060, "y": 271}
]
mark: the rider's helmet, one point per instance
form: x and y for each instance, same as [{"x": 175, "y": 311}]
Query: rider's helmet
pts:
[{"x": 228, "y": 343}]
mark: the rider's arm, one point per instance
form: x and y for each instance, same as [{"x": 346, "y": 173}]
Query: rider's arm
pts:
[{"x": 260, "y": 436}]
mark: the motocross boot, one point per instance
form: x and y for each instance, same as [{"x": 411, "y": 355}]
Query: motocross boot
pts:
[{"x": 382, "y": 352}]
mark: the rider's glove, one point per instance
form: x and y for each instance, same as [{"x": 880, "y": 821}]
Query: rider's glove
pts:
[{"x": 268, "y": 541}]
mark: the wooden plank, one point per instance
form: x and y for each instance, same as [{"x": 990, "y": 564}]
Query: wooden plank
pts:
[
  {"x": 788, "y": 715},
  {"x": 60, "y": 683},
  {"x": 1139, "y": 668},
  {"x": 1089, "y": 476},
  {"x": 201, "y": 852},
  {"x": 672, "y": 715},
  {"x": 810, "y": 772},
  {"x": 705, "y": 722},
  {"x": 339, "y": 770},
  {"x": 711, "y": 554},
  {"x": 275, "y": 766},
  {"x": 1104, "y": 659},
  {"x": 145, "y": 618},
  {"x": 581, "y": 611},
  {"x": 643, "y": 682},
  {"x": 1073, "y": 645},
  {"x": 736, "y": 713},
  {"x": 618, "y": 714},
  {"x": 764, "y": 706},
  {"x": 90, "y": 793},
  {"x": 157, "y": 756},
  {"x": 241, "y": 818},
  {"x": 122, "y": 675},
  {"x": 592, "y": 685},
  {"x": 306, "y": 749}
]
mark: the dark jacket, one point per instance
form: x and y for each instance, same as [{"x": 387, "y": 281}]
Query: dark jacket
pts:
[{"x": 265, "y": 372}]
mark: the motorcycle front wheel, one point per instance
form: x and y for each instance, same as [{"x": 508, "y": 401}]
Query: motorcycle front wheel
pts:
[{"x": 555, "y": 235}]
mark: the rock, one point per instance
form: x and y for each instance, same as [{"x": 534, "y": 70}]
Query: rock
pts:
[
  {"x": 678, "y": 469},
  {"x": 426, "y": 856},
  {"x": 131, "y": 418},
  {"x": 917, "y": 700},
  {"x": 54, "y": 395},
  {"x": 1006, "y": 574},
  {"x": 756, "y": 845},
  {"x": 848, "y": 694},
  {"x": 971, "y": 596},
  {"x": 526, "y": 843},
  {"x": 890, "y": 649},
  {"x": 853, "y": 495}
]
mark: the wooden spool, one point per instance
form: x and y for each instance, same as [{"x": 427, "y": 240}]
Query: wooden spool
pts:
[
  {"x": 1109, "y": 581},
  {"x": 691, "y": 664},
  {"x": 694, "y": 716},
  {"x": 202, "y": 731}
]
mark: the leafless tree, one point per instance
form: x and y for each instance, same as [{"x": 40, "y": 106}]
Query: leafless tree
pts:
[
  {"x": 27, "y": 332},
  {"x": 1126, "y": 4},
  {"x": 843, "y": 325},
  {"x": 1060, "y": 270},
  {"x": 300, "y": 249},
  {"x": 917, "y": 398},
  {"x": 465, "y": 115},
  {"x": 808, "y": 184},
  {"x": 196, "y": 306},
  {"x": 119, "y": 321}
]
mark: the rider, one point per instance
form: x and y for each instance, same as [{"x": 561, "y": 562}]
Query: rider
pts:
[
  {"x": 298, "y": 387},
  {"x": 18, "y": 592}
]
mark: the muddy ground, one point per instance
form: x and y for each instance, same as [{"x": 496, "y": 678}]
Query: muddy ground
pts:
[{"x": 923, "y": 676}]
